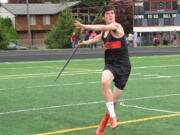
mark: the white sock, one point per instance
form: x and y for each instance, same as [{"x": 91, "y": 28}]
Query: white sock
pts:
[{"x": 110, "y": 107}]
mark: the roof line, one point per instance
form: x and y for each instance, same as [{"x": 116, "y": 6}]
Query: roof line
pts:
[{"x": 7, "y": 9}]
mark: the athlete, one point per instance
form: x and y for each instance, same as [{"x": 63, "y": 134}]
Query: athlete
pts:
[{"x": 117, "y": 65}]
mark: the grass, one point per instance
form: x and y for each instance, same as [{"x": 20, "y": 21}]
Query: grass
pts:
[
  {"x": 159, "y": 46},
  {"x": 32, "y": 103}
]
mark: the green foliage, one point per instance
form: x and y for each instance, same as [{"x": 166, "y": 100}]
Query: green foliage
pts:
[
  {"x": 53, "y": 1},
  {"x": 8, "y": 33},
  {"x": 12, "y": 33},
  {"x": 4, "y": 36},
  {"x": 96, "y": 3},
  {"x": 100, "y": 19},
  {"x": 60, "y": 35},
  {"x": 7, "y": 22},
  {"x": 90, "y": 2}
]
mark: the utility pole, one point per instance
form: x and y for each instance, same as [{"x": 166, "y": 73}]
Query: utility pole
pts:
[
  {"x": 28, "y": 23},
  {"x": 62, "y": 2}
]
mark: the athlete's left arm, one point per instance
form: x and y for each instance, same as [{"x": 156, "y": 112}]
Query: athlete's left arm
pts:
[{"x": 109, "y": 27}]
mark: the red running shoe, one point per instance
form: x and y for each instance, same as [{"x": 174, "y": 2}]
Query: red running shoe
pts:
[
  {"x": 113, "y": 121},
  {"x": 103, "y": 124}
]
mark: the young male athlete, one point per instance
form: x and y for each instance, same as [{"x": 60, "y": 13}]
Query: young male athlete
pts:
[{"x": 117, "y": 65}]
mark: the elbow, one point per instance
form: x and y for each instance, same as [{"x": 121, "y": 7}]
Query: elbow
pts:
[{"x": 105, "y": 28}]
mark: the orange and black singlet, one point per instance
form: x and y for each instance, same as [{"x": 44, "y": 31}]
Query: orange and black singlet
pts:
[{"x": 117, "y": 59}]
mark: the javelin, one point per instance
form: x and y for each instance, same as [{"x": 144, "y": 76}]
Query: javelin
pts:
[{"x": 76, "y": 48}]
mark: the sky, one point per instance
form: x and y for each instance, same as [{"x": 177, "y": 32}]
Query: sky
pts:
[{"x": 3, "y": 1}]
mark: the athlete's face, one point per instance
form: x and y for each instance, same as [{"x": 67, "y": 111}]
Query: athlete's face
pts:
[{"x": 109, "y": 16}]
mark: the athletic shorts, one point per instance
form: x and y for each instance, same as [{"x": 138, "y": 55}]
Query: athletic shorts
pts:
[{"x": 121, "y": 75}]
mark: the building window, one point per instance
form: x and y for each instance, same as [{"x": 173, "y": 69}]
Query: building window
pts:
[
  {"x": 84, "y": 18},
  {"x": 138, "y": 22},
  {"x": 46, "y": 19},
  {"x": 32, "y": 20},
  {"x": 92, "y": 18},
  {"x": 168, "y": 21},
  {"x": 84, "y": 11}
]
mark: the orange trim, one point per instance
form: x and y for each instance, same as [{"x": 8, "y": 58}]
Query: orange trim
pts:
[
  {"x": 150, "y": 9},
  {"x": 171, "y": 8},
  {"x": 112, "y": 45},
  {"x": 133, "y": 13}
]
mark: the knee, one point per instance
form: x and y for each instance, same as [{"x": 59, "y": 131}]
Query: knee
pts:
[{"x": 105, "y": 83}]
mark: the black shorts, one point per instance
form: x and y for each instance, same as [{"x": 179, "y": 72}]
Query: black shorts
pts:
[{"x": 120, "y": 73}]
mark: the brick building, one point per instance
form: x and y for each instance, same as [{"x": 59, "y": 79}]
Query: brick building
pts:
[{"x": 43, "y": 17}]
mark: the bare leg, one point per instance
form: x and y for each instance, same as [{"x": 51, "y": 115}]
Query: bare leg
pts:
[
  {"x": 107, "y": 78},
  {"x": 116, "y": 95}
]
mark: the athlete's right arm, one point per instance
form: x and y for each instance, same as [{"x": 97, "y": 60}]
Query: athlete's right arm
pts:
[{"x": 91, "y": 41}]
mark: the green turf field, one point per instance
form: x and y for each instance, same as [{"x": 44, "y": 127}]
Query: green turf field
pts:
[{"x": 32, "y": 103}]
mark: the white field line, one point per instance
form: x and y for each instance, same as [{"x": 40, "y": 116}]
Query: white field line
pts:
[
  {"x": 150, "y": 75},
  {"x": 80, "y": 104},
  {"x": 80, "y": 83},
  {"x": 99, "y": 70},
  {"x": 56, "y": 61},
  {"x": 149, "y": 97},
  {"x": 67, "y": 72},
  {"x": 165, "y": 56},
  {"x": 154, "y": 56},
  {"x": 45, "y": 86},
  {"x": 149, "y": 109},
  {"x": 162, "y": 66},
  {"x": 63, "y": 61}
]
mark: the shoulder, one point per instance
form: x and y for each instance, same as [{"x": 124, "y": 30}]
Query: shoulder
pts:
[{"x": 119, "y": 29}]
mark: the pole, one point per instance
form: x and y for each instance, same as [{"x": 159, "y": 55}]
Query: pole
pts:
[
  {"x": 76, "y": 48},
  {"x": 28, "y": 23}
]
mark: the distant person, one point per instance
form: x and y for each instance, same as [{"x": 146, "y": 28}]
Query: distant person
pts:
[
  {"x": 87, "y": 36},
  {"x": 175, "y": 38},
  {"x": 73, "y": 40},
  {"x": 135, "y": 36},
  {"x": 76, "y": 39},
  {"x": 165, "y": 39},
  {"x": 130, "y": 39},
  {"x": 158, "y": 39},
  {"x": 93, "y": 35}
]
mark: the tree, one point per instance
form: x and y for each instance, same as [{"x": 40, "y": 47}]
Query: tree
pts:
[
  {"x": 124, "y": 14},
  {"x": 4, "y": 38},
  {"x": 94, "y": 3},
  {"x": 60, "y": 35},
  {"x": 12, "y": 34},
  {"x": 53, "y": 1},
  {"x": 7, "y": 33},
  {"x": 24, "y": 1}
]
